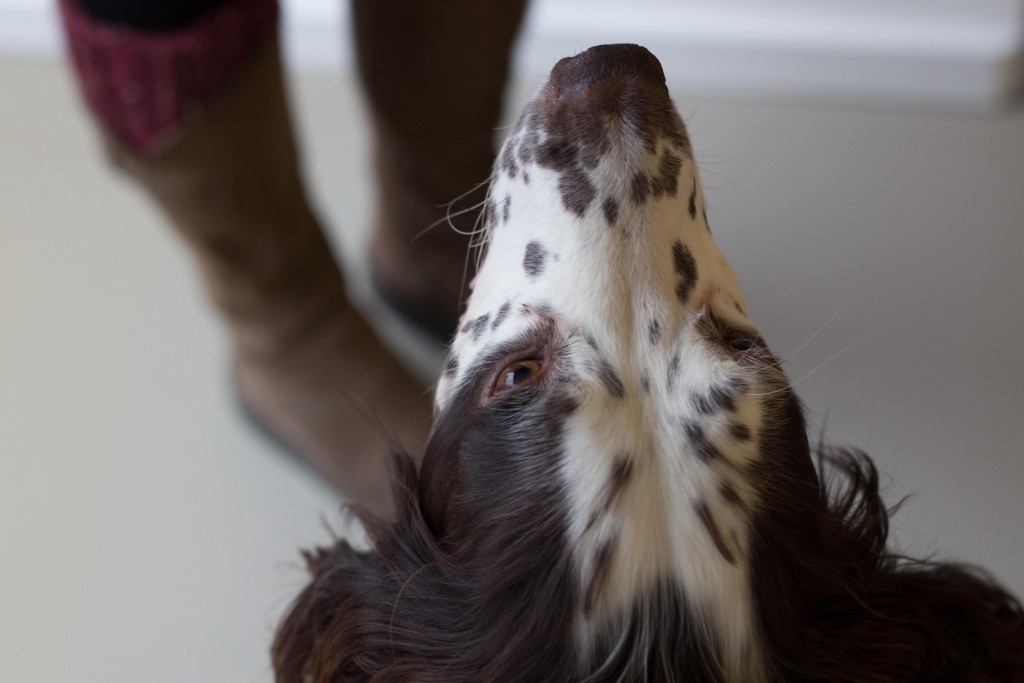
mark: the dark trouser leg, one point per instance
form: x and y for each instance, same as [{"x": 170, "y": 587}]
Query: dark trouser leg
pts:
[
  {"x": 435, "y": 74},
  {"x": 148, "y": 15}
]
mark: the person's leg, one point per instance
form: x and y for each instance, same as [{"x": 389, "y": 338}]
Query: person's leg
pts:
[
  {"x": 434, "y": 73},
  {"x": 197, "y": 116}
]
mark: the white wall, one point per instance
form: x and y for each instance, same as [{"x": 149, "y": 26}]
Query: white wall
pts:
[
  {"x": 920, "y": 54},
  {"x": 944, "y": 55}
]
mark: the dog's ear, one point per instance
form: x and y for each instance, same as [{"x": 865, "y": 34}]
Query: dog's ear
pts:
[
  {"x": 837, "y": 605},
  {"x": 925, "y": 622},
  {"x": 332, "y": 630},
  {"x": 310, "y": 643}
]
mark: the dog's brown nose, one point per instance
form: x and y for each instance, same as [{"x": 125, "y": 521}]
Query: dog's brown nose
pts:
[{"x": 574, "y": 74}]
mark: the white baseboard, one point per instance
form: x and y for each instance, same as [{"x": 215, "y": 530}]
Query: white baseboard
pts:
[
  {"x": 841, "y": 53},
  {"x": 846, "y": 54}
]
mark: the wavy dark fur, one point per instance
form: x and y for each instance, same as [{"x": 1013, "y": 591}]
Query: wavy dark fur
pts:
[{"x": 834, "y": 604}]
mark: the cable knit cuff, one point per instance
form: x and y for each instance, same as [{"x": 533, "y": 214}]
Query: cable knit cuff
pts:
[{"x": 144, "y": 86}]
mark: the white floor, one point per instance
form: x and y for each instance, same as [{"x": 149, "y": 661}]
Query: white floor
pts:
[{"x": 147, "y": 535}]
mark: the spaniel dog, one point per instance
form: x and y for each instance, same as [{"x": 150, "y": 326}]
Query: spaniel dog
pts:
[{"x": 619, "y": 484}]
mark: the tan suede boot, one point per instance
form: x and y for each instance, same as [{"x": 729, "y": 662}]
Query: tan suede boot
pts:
[
  {"x": 307, "y": 365},
  {"x": 434, "y": 74}
]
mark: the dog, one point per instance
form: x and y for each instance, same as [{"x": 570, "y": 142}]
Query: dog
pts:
[{"x": 619, "y": 484}]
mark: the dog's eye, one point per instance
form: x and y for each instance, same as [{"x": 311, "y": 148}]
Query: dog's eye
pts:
[
  {"x": 516, "y": 373},
  {"x": 741, "y": 344}
]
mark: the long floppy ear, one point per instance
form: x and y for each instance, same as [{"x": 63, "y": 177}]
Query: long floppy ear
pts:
[
  {"x": 330, "y": 627},
  {"x": 300, "y": 648},
  {"x": 837, "y": 605}
]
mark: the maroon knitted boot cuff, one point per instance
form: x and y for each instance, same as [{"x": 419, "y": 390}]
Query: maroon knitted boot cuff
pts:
[{"x": 146, "y": 86}]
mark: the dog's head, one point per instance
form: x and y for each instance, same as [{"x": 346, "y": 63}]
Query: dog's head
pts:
[
  {"x": 606, "y": 352},
  {"x": 619, "y": 484}
]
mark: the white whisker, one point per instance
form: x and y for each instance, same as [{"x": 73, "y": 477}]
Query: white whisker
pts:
[
  {"x": 816, "y": 333},
  {"x": 822, "y": 364},
  {"x": 449, "y": 215}
]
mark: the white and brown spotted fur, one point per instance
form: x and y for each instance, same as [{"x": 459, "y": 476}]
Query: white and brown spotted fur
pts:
[{"x": 619, "y": 485}]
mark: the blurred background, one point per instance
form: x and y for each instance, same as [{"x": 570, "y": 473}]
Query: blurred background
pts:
[{"x": 864, "y": 169}]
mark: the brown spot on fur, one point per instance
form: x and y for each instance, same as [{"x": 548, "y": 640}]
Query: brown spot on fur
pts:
[
  {"x": 704, "y": 514},
  {"x": 601, "y": 563},
  {"x": 534, "y": 259},
  {"x": 700, "y": 443},
  {"x": 611, "y": 210},
  {"x": 528, "y": 147},
  {"x": 731, "y": 495},
  {"x": 640, "y": 188},
  {"x": 476, "y": 326},
  {"x": 610, "y": 379},
  {"x": 673, "y": 372},
  {"x": 557, "y": 154},
  {"x": 654, "y": 332},
  {"x": 577, "y": 191},
  {"x": 502, "y": 314},
  {"x": 686, "y": 267},
  {"x": 508, "y": 160},
  {"x": 667, "y": 181},
  {"x": 721, "y": 397},
  {"x": 622, "y": 472},
  {"x": 740, "y": 432}
]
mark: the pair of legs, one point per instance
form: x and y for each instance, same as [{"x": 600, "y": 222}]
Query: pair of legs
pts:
[{"x": 191, "y": 104}]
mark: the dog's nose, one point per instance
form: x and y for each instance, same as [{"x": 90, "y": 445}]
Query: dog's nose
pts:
[{"x": 573, "y": 74}]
